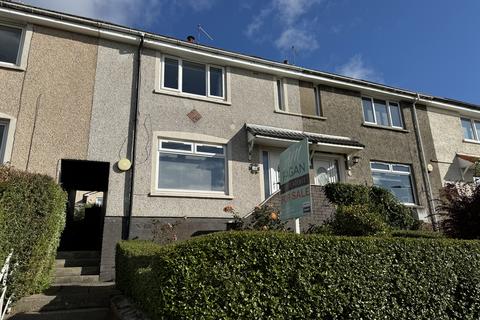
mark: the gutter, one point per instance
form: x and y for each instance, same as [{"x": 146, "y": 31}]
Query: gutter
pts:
[
  {"x": 123, "y": 34},
  {"x": 423, "y": 164},
  {"x": 126, "y": 233}
]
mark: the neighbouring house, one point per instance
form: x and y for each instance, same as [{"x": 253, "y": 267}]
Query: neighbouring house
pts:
[
  {"x": 456, "y": 137},
  {"x": 201, "y": 127}
]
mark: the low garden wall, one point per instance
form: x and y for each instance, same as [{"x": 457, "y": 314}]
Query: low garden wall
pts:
[{"x": 269, "y": 275}]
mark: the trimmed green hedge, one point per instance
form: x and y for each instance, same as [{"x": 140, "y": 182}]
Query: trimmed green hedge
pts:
[
  {"x": 267, "y": 275},
  {"x": 32, "y": 217}
]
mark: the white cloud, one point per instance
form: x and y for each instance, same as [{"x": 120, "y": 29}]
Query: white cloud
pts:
[
  {"x": 299, "y": 38},
  {"x": 121, "y": 11},
  {"x": 293, "y": 29},
  {"x": 356, "y": 68},
  {"x": 291, "y": 10}
]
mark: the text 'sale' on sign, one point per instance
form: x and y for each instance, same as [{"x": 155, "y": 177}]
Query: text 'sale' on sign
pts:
[{"x": 295, "y": 181}]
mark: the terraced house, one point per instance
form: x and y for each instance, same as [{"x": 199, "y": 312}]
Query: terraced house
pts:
[{"x": 172, "y": 131}]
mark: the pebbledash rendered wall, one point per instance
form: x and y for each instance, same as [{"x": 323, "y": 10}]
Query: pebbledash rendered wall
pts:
[
  {"x": 111, "y": 137},
  {"x": 50, "y": 100}
]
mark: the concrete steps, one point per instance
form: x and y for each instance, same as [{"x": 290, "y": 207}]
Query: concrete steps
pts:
[{"x": 77, "y": 292}]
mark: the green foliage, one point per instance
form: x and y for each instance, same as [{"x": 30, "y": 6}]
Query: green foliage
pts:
[
  {"x": 417, "y": 234},
  {"x": 130, "y": 256},
  {"x": 357, "y": 220},
  {"x": 262, "y": 218},
  {"x": 460, "y": 211},
  {"x": 260, "y": 275},
  {"x": 379, "y": 201},
  {"x": 32, "y": 217}
]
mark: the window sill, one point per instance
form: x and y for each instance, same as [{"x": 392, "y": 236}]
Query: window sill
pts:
[
  {"x": 199, "y": 195},
  {"x": 300, "y": 115},
  {"x": 376, "y": 126},
  {"x": 471, "y": 141},
  {"x": 5, "y": 65},
  {"x": 192, "y": 96}
]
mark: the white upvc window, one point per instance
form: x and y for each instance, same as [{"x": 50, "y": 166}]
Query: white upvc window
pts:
[
  {"x": 318, "y": 101},
  {"x": 397, "y": 178},
  {"x": 192, "y": 78},
  {"x": 382, "y": 112},
  {"x": 4, "y": 126},
  {"x": 14, "y": 45},
  {"x": 185, "y": 166},
  {"x": 471, "y": 129},
  {"x": 280, "y": 101}
]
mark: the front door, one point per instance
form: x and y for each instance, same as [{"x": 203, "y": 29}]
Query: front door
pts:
[
  {"x": 325, "y": 170},
  {"x": 271, "y": 160}
]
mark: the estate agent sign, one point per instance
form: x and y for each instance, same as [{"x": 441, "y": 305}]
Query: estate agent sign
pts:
[{"x": 295, "y": 181}]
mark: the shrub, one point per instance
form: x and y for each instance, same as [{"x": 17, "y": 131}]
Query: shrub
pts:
[
  {"x": 32, "y": 217},
  {"x": 379, "y": 200},
  {"x": 356, "y": 220},
  {"x": 460, "y": 211},
  {"x": 262, "y": 218},
  {"x": 259, "y": 275}
]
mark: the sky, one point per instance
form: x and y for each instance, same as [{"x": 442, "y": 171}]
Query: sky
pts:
[{"x": 428, "y": 46}]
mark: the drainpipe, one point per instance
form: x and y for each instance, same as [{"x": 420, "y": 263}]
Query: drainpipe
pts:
[
  {"x": 134, "y": 135},
  {"x": 423, "y": 163}
]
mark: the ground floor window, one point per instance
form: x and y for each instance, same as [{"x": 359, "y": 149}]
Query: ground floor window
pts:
[
  {"x": 3, "y": 139},
  {"x": 191, "y": 166},
  {"x": 395, "y": 177}
]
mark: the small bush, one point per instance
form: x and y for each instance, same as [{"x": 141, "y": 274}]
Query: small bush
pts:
[
  {"x": 357, "y": 220},
  {"x": 263, "y": 218},
  {"x": 32, "y": 217},
  {"x": 459, "y": 211},
  {"x": 273, "y": 275},
  {"x": 379, "y": 200}
]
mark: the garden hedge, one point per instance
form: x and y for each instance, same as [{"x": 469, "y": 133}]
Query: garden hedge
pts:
[
  {"x": 268, "y": 275},
  {"x": 32, "y": 217}
]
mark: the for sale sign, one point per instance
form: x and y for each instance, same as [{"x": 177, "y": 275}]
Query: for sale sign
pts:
[{"x": 295, "y": 181}]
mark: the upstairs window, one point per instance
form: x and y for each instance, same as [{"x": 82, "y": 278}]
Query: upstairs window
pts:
[
  {"x": 193, "y": 78},
  {"x": 10, "y": 44},
  {"x": 382, "y": 112},
  {"x": 280, "y": 95},
  {"x": 310, "y": 102},
  {"x": 471, "y": 129}
]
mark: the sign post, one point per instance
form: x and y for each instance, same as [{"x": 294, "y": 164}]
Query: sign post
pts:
[{"x": 295, "y": 182}]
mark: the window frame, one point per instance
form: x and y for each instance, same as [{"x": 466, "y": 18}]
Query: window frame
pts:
[
  {"x": 19, "y": 62},
  {"x": 389, "y": 113},
  {"x": 318, "y": 101},
  {"x": 3, "y": 143},
  {"x": 280, "y": 97},
  {"x": 180, "y": 77},
  {"x": 193, "y": 152},
  {"x": 476, "y": 134},
  {"x": 391, "y": 170}
]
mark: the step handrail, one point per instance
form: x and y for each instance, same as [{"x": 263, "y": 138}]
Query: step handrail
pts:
[{"x": 4, "y": 274}]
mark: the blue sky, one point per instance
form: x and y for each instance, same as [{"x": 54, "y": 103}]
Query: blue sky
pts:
[{"x": 430, "y": 46}]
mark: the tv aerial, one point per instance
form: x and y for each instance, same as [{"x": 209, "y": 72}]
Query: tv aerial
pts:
[{"x": 200, "y": 31}]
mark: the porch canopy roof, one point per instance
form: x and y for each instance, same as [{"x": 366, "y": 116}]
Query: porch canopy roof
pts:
[
  {"x": 466, "y": 161},
  {"x": 279, "y": 137}
]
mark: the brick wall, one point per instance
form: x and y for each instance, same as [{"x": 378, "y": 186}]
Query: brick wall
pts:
[{"x": 322, "y": 209}]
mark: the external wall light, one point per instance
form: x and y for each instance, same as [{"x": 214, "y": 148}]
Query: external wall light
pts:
[{"x": 254, "y": 168}]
